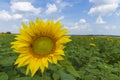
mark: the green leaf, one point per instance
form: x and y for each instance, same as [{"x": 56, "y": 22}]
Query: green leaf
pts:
[
  {"x": 22, "y": 70},
  {"x": 23, "y": 78},
  {"x": 65, "y": 76},
  {"x": 3, "y": 76},
  {"x": 7, "y": 61},
  {"x": 36, "y": 77},
  {"x": 56, "y": 76},
  {"x": 89, "y": 77},
  {"x": 70, "y": 68},
  {"x": 11, "y": 73}
]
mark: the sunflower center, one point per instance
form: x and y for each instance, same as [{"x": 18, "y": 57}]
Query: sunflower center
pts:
[{"x": 43, "y": 45}]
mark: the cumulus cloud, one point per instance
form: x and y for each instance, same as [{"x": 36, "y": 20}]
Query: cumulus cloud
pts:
[
  {"x": 110, "y": 27},
  {"x": 4, "y": 15},
  {"x": 14, "y": 29},
  {"x": 100, "y": 20},
  {"x": 51, "y": 8},
  {"x": 58, "y": 1},
  {"x": 81, "y": 26},
  {"x": 74, "y": 26},
  {"x": 104, "y": 7},
  {"x": 60, "y": 18},
  {"x": 98, "y": 2},
  {"x": 78, "y": 28},
  {"x": 118, "y": 13},
  {"x": 17, "y": 16},
  {"x": 24, "y": 7},
  {"x": 82, "y": 21},
  {"x": 62, "y": 4},
  {"x": 58, "y": 6},
  {"x": 25, "y": 20}
]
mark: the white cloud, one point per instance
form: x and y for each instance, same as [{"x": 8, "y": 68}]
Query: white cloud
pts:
[
  {"x": 100, "y": 20},
  {"x": 14, "y": 29},
  {"x": 17, "y": 16},
  {"x": 60, "y": 18},
  {"x": 81, "y": 25},
  {"x": 57, "y": 6},
  {"x": 78, "y": 28},
  {"x": 13, "y": 1},
  {"x": 97, "y": 2},
  {"x": 58, "y": 1},
  {"x": 4, "y": 15},
  {"x": 118, "y": 13},
  {"x": 62, "y": 4},
  {"x": 82, "y": 21},
  {"x": 25, "y": 20},
  {"x": 24, "y": 7},
  {"x": 51, "y": 8},
  {"x": 110, "y": 27},
  {"x": 107, "y": 27},
  {"x": 74, "y": 27},
  {"x": 104, "y": 7}
]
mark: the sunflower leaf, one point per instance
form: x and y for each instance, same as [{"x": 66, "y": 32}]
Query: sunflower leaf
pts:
[
  {"x": 68, "y": 66},
  {"x": 23, "y": 78},
  {"x": 3, "y": 76},
  {"x": 56, "y": 76},
  {"x": 65, "y": 76}
]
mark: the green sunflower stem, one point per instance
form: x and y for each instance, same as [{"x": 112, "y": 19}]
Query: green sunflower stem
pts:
[{"x": 44, "y": 75}]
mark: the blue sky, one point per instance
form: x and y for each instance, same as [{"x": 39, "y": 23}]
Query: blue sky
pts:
[{"x": 78, "y": 16}]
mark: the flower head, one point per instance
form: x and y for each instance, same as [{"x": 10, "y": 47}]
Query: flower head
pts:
[
  {"x": 92, "y": 44},
  {"x": 40, "y": 43}
]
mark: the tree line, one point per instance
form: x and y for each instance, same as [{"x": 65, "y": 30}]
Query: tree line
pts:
[{"x": 6, "y": 32}]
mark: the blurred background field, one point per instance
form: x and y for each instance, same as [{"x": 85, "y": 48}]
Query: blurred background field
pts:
[{"x": 87, "y": 58}]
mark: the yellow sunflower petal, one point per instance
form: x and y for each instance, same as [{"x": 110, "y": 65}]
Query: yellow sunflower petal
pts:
[
  {"x": 27, "y": 70},
  {"x": 23, "y": 38},
  {"x": 24, "y": 25},
  {"x": 42, "y": 66},
  {"x": 59, "y": 57},
  {"x": 34, "y": 65},
  {"x": 59, "y": 52},
  {"x": 64, "y": 39},
  {"x": 22, "y": 61}
]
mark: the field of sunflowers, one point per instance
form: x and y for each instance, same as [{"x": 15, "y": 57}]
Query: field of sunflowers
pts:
[{"x": 86, "y": 58}]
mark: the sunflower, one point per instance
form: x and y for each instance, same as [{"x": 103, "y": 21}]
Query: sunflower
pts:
[
  {"x": 92, "y": 44},
  {"x": 40, "y": 43}
]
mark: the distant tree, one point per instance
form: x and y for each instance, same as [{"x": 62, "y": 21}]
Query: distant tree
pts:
[
  {"x": 2, "y": 32},
  {"x": 8, "y": 32}
]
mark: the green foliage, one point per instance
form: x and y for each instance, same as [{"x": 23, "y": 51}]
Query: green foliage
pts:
[
  {"x": 65, "y": 76},
  {"x": 8, "y": 32},
  {"x": 82, "y": 61},
  {"x": 3, "y": 76},
  {"x": 67, "y": 65},
  {"x": 95, "y": 63}
]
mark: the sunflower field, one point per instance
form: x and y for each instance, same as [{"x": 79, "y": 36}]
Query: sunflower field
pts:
[{"x": 86, "y": 58}]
